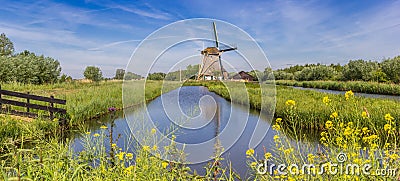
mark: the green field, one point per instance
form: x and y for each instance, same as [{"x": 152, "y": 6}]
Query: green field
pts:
[
  {"x": 355, "y": 86},
  {"x": 336, "y": 117}
]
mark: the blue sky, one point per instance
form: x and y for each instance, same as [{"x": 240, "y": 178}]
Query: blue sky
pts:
[{"x": 105, "y": 33}]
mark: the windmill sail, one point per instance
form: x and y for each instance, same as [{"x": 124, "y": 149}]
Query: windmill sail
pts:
[{"x": 211, "y": 65}]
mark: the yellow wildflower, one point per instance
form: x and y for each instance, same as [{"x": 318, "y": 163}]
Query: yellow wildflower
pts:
[
  {"x": 350, "y": 124},
  {"x": 153, "y": 131},
  {"x": 278, "y": 120},
  {"x": 394, "y": 156},
  {"x": 288, "y": 151},
  {"x": 365, "y": 130},
  {"x": 164, "y": 164},
  {"x": 364, "y": 114},
  {"x": 129, "y": 156},
  {"x": 326, "y": 100},
  {"x": 155, "y": 147},
  {"x": 250, "y": 152},
  {"x": 388, "y": 117},
  {"x": 310, "y": 157},
  {"x": 290, "y": 103},
  {"x": 96, "y": 135},
  {"x": 348, "y": 94},
  {"x": 348, "y": 131},
  {"x": 387, "y": 127},
  {"x": 334, "y": 115},
  {"x": 103, "y": 127},
  {"x": 87, "y": 133},
  {"x": 113, "y": 145},
  {"x": 120, "y": 155},
  {"x": 253, "y": 164},
  {"x": 146, "y": 148},
  {"x": 267, "y": 155},
  {"x": 328, "y": 124},
  {"x": 276, "y": 127},
  {"x": 128, "y": 170}
]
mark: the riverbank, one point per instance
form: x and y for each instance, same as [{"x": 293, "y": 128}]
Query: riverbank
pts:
[
  {"x": 355, "y": 86},
  {"x": 310, "y": 112},
  {"x": 85, "y": 101}
]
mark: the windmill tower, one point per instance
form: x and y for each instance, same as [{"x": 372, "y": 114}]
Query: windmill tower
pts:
[{"x": 211, "y": 65}]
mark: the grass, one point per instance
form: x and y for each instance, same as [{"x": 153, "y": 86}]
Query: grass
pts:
[
  {"x": 343, "y": 143},
  {"x": 356, "y": 86},
  {"x": 85, "y": 101},
  {"x": 53, "y": 159},
  {"x": 354, "y": 125},
  {"x": 311, "y": 114},
  {"x": 90, "y": 100}
]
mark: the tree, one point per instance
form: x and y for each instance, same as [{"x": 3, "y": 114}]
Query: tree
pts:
[
  {"x": 93, "y": 73},
  {"x": 360, "y": 70},
  {"x": 268, "y": 74},
  {"x": 316, "y": 72},
  {"x": 391, "y": 67},
  {"x": 6, "y": 46},
  {"x": 119, "y": 74},
  {"x": 156, "y": 76},
  {"x": 130, "y": 76},
  {"x": 26, "y": 67}
]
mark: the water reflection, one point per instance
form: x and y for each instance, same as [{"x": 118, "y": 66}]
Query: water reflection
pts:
[{"x": 211, "y": 119}]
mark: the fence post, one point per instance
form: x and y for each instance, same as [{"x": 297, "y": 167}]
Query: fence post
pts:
[
  {"x": 27, "y": 101},
  {"x": 52, "y": 106}
]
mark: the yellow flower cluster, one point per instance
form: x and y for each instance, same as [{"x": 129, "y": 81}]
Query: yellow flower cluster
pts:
[
  {"x": 290, "y": 103},
  {"x": 328, "y": 125},
  {"x": 326, "y": 100},
  {"x": 129, "y": 169},
  {"x": 388, "y": 117},
  {"x": 164, "y": 164},
  {"x": 389, "y": 127},
  {"x": 364, "y": 114},
  {"x": 250, "y": 152},
  {"x": 334, "y": 115},
  {"x": 267, "y": 155},
  {"x": 276, "y": 127},
  {"x": 120, "y": 155},
  {"x": 146, "y": 148},
  {"x": 129, "y": 156},
  {"x": 348, "y": 94}
]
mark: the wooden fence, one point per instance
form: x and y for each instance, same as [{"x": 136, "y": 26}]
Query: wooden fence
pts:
[{"x": 50, "y": 100}]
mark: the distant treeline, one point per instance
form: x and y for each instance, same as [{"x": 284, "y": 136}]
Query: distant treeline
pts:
[
  {"x": 355, "y": 70},
  {"x": 28, "y": 68}
]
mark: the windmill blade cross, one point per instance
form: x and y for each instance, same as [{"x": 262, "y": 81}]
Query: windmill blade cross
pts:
[{"x": 215, "y": 35}]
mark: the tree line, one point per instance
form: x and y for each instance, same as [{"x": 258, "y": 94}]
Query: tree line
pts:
[
  {"x": 26, "y": 67},
  {"x": 355, "y": 70}
]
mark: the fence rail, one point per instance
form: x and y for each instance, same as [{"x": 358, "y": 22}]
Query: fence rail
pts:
[{"x": 50, "y": 100}]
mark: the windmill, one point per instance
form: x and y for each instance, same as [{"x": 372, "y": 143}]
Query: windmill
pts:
[{"x": 211, "y": 64}]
